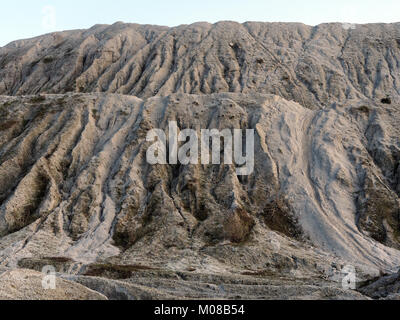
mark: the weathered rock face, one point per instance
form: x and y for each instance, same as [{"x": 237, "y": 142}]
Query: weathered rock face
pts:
[
  {"x": 77, "y": 192},
  {"x": 315, "y": 66},
  {"x": 75, "y": 175},
  {"x": 385, "y": 287}
]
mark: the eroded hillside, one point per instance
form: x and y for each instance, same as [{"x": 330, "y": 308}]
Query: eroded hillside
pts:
[
  {"x": 315, "y": 66},
  {"x": 74, "y": 171},
  {"x": 77, "y": 192}
]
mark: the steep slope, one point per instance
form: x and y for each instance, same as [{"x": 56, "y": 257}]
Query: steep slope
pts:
[
  {"x": 77, "y": 192},
  {"x": 315, "y": 66},
  {"x": 76, "y": 184}
]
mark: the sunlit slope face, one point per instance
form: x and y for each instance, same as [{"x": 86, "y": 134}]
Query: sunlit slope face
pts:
[
  {"x": 75, "y": 182},
  {"x": 314, "y": 66}
]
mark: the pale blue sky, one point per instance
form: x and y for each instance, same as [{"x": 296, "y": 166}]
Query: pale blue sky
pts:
[{"x": 25, "y": 18}]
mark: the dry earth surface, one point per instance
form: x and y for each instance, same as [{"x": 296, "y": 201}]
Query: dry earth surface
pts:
[{"x": 76, "y": 191}]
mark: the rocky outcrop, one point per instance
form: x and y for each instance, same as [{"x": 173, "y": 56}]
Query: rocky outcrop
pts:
[{"x": 386, "y": 287}]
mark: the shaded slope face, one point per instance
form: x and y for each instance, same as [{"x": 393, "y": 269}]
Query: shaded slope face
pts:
[
  {"x": 314, "y": 66},
  {"x": 76, "y": 183}
]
